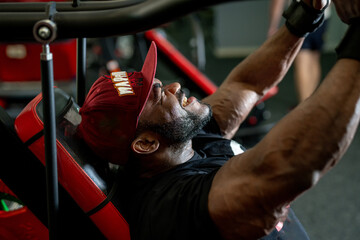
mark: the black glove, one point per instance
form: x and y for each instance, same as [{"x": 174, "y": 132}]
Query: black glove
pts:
[
  {"x": 349, "y": 46},
  {"x": 302, "y": 19}
]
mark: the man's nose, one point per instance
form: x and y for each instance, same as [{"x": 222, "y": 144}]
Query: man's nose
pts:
[{"x": 173, "y": 87}]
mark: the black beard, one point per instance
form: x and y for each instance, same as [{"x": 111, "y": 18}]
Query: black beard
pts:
[{"x": 180, "y": 130}]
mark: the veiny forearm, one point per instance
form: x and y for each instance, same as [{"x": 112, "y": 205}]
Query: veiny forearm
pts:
[
  {"x": 249, "y": 193},
  {"x": 251, "y": 79},
  {"x": 267, "y": 66},
  {"x": 315, "y": 135}
]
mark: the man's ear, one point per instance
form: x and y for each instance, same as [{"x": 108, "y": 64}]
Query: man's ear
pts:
[{"x": 145, "y": 143}]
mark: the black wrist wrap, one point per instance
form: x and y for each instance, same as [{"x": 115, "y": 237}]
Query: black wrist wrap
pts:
[
  {"x": 349, "y": 46},
  {"x": 302, "y": 19}
]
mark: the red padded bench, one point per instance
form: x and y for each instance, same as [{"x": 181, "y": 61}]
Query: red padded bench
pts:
[{"x": 82, "y": 176}]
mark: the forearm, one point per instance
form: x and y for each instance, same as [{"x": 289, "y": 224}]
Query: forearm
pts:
[
  {"x": 267, "y": 66},
  {"x": 318, "y": 132},
  {"x": 250, "y": 192},
  {"x": 251, "y": 79},
  {"x": 314, "y": 136},
  {"x": 291, "y": 158}
]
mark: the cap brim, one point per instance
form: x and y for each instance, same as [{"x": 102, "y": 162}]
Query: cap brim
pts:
[{"x": 148, "y": 72}]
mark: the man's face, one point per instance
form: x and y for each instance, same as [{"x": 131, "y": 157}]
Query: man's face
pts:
[{"x": 169, "y": 113}]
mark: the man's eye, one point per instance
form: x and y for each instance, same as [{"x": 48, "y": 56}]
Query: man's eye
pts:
[{"x": 157, "y": 85}]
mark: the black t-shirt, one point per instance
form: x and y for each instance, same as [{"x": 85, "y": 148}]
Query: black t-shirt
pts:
[{"x": 173, "y": 205}]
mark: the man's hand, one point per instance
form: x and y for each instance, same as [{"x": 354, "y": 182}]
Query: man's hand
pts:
[
  {"x": 317, "y": 4},
  {"x": 347, "y": 9}
]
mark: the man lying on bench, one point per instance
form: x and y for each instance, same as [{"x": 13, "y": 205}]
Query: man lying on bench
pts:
[
  {"x": 186, "y": 178},
  {"x": 181, "y": 185}
]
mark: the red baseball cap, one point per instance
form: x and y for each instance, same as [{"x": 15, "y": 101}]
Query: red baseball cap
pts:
[{"x": 112, "y": 108}]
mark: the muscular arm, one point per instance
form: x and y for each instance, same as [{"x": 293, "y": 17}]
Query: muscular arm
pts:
[
  {"x": 251, "y": 79},
  {"x": 250, "y": 192}
]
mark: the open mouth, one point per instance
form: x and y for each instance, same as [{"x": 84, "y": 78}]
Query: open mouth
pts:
[
  {"x": 187, "y": 101},
  {"x": 183, "y": 100}
]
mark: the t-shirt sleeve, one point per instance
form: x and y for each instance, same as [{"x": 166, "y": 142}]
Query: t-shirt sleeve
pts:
[{"x": 177, "y": 209}]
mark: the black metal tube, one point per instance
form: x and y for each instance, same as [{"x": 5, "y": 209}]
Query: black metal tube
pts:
[
  {"x": 47, "y": 80},
  {"x": 67, "y": 6},
  {"x": 81, "y": 71},
  {"x": 17, "y": 26}
]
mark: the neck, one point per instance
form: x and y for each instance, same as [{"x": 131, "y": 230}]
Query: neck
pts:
[{"x": 162, "y": 160}]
